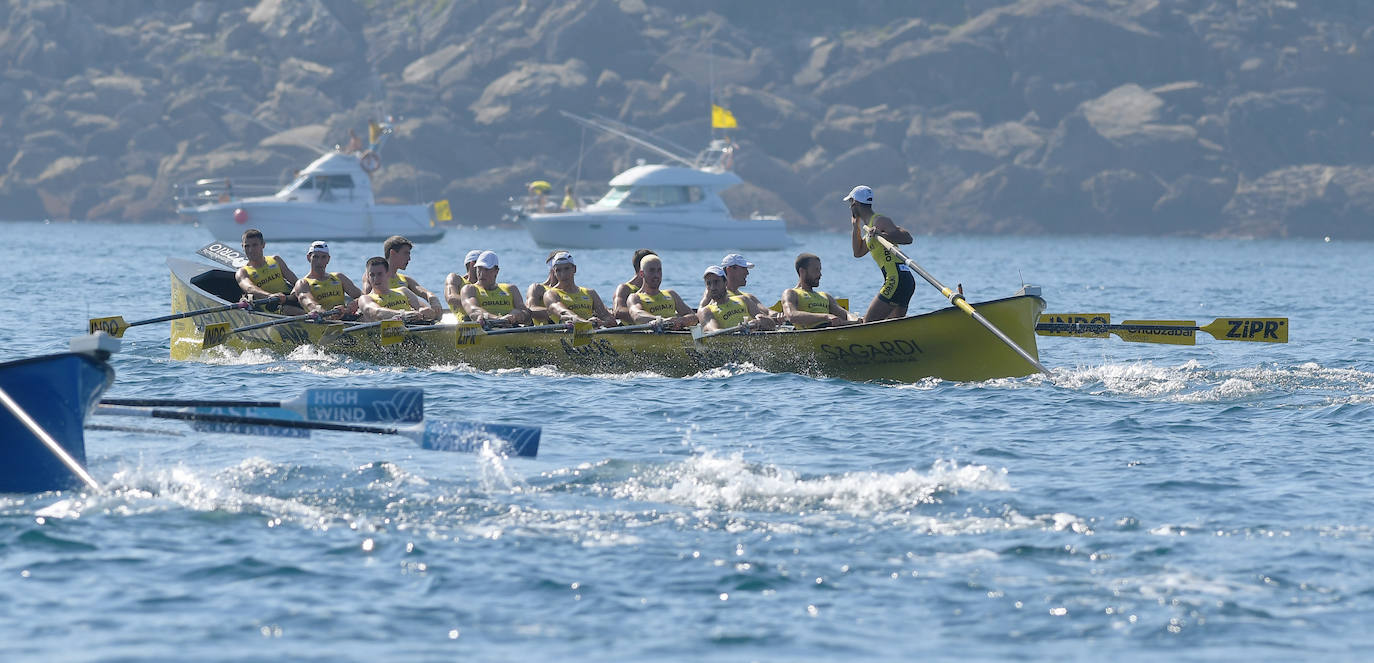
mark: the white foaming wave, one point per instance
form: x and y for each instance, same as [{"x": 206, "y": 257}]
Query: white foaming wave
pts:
[
  {"x": 924, "y": 384},
  {"x": 224, "y": 356},
  {"x": 1231, "y": 389},
  {"x": 1135, "y": 379},
  {"x": 726, "y": 371},
  {"x": 710, "y": 482}
]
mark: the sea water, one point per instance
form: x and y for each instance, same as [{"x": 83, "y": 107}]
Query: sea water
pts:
[{"x": 1141, "y": 501}]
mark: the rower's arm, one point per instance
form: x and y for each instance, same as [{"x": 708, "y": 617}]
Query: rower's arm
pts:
[
  {"x": 453, "y": 292},
  {"x": 708, "y": 322},
  {"x": 301, "y": 291},
  {"x": 890, "y": 231},
  {"x": 430, "y": 298},
  {"x": 799, "y": 318},
  {"x": 556, "y": 307},
  {"x": 247, "y": 286},
  {"x": 637, "y": 313},
  {"x": 421, "y": 307},
  {"x": 599, "y": 309},
  {"x": 519, "y": 313},
  {"x": 856, "y": 238},
  {"x": 839, "y": 311},
  {"x": 762, "y": 316},
  {"x": 349, "y": 288},
  {"x": 467, "y": 298}
]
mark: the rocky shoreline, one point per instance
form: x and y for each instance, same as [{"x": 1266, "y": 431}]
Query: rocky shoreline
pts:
[{"x": 1189, "y": 117}]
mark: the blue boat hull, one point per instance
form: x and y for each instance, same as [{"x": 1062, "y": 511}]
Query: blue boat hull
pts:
[{"x": 57, "y": 391}]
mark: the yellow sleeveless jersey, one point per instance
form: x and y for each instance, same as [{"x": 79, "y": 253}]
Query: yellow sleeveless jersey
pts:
[
  {"x": 661, "y": 305},
  {"x": 497, "y": 301},
  {"x": 729, "y": 314},
  {"x": 394, "y": 299},
  {"x": 887, "y": 261},
  {"x": 814, "y": 301},
  {"x": 579, "y": 302},
  {"x": 328, "y": 292},
  {"x": 268, "y": 277}
]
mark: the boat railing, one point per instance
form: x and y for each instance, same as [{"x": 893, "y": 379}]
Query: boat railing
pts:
[{"x": 222, "y": 189}]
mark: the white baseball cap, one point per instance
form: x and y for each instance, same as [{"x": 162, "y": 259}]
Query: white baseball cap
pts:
[
  {"x": 860, "y": 194},
  {"x": 318, "y": 247},
  {"x": 472, "y": 256},
  {"x": 562, "y": 258},
  {"x": 487, "y": 260},
  {"x": 736, "y": 260},
  {"x": 714, "y": 269}
]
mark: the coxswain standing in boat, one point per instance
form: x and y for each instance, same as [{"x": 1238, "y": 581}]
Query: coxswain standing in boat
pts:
[
  {"x": 620, "y": 305},
  {"x": 399, "y": 303},
  {"x": 534, "y": 295},
  {"x": 898, "y": 281},
  {"x": 324, "y": 292},
  {"x": 568, "y": 302},
  {"x": 490, "y": 303},
  {"x": 396, "y": 251},
  {"x": 455, "y": 282},
  {"x": 650, "y": 304},
  {"x": 805, "y": 306},
  {"x": 724, "y": 310},
  {"x": 265, "y": 276}
]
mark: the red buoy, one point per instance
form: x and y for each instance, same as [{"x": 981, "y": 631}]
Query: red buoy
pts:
[{"x": 240, "y": 216}]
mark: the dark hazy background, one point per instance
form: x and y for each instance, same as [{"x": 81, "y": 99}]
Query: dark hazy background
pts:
[{"x": 1198, "y": 117}]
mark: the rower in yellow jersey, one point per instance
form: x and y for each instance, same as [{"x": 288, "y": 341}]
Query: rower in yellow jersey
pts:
[
  {"x": 650, "y": 304},
  {"x": 321, "y": 291},
  {"x": 805, "y": 306},
  {"x": 383, "y": 303},
  {"x": 396, "y": 252},
  {"x": 898, "y": 281},
  {"x": 265, "y": 276},
  {"x": 620, "y": 301},
  {"x": 455, "y": 282},
  {"x": 724, "y": 310},
  {"x": 491, "y": 303},
  {"x": 568, "y": 302},
  {"x": 534, "y": 295},
  {"x": 736, "y": 269}
]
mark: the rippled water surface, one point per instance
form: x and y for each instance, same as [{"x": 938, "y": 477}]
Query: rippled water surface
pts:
[{"x": 1142, "y": 501}]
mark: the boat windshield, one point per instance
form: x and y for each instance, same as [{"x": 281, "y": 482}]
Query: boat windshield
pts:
[{"x": 650, "y": 196}]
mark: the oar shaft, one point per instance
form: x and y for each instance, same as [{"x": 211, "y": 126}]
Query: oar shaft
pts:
[
  {"x": 249, "y": 421},
  {"x": 958, "y": 300},
  {"x": 279, "y": 321},
  {"x": 204, "y": 311},
  {"x": 47, "y": 440},
  {"x": 180, "y": 402}
]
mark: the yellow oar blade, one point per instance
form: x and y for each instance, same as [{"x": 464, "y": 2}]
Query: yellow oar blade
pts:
[
  {"x": 114, "y": 326},
  {"x": 581, "y": 333},
  {"x": 215, "y": 334},
  {"x": 469, "y": 334},
  {"x": 1254, "y": 330},
  {"x": 1168, "y": 332},
  {"x": 392, "y": 332}
]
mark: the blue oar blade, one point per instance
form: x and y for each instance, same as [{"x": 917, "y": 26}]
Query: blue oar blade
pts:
[
  {"x": 260, "y": 430},
  {"x": 467, "y": 436},
  {"x": 362, "y": 405}
]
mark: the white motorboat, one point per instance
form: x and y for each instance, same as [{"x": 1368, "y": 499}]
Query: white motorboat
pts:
[
  {"x": 661, "y": 206},
  {"x": 331, "y": 199}
]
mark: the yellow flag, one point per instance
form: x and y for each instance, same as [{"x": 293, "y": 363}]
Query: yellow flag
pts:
[
  {"x": 721, "y": 118},
  {"x": 442, "y": 211}
]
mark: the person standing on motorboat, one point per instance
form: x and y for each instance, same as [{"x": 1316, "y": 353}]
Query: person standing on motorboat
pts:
[
  {"x": 898, "y": 281},
  {"x": 265, "y": 276},
  {"x": 805, "y": 306},
  {"x": 490, "y": 303},
  {"x": 396, "y": 251},
  {"x": 620, "y": 301},
  {"x": 326, "y": 292},
  {"x": 650, "y": 304},
  {"x": 569, "y": 202},
  {"x": 568, "y": 302},
  {"x": 383, "y": 303},
  {"x": 724, "y": 310}
]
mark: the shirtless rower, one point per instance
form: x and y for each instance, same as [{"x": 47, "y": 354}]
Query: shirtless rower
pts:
[
  {"x": 382, "y": 303},
  {"x": 620, "y": 304},
  {"x": 492, "y": 303},
  {"x": 265, "y": 276},
  {"x": 396, "y": 252},
  {"x": 724, "y": 310},
  {"x": 650, "y": 304},
  {"x": 568, "y": 302},
  {"x": 326, "y": 292},
  {"x": 898, "y": 281},
  {"x": 805, "y": 306}
]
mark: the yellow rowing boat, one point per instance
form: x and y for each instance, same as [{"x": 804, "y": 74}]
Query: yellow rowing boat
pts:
[{"x": 945, "y": 344}]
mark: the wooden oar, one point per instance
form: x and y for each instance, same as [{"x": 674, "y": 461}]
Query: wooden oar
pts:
[
  {"x": 957, "y": 299},
  {"x": 219, "y": 332},
  {"x": 47, "y": 440},
  {"x": 1169, "y": 332},
  {"x": 436, "y": 435},
  {"x": 115, "y": 325},
  {"x": 347, "y": 405}
]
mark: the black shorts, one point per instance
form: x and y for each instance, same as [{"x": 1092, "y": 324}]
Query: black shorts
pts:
[{"x": 898, "y": 292}]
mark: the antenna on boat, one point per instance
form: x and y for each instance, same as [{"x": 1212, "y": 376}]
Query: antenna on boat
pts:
[{"x": 628, "y": 133}]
